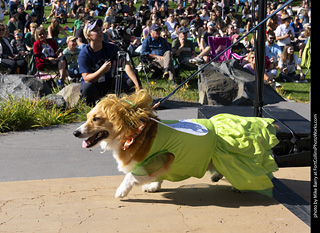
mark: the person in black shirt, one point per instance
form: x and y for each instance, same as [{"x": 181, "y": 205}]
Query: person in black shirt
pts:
[{"x": 7, "y": 58}]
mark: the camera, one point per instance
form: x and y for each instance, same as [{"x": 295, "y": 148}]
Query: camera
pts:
[{"x": 129, "y": 26}]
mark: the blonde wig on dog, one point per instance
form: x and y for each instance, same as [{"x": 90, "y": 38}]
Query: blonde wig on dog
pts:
[{"x": 127, "y": 112}]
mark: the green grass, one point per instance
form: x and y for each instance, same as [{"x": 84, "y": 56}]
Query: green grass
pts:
[{"x": 22, "y": 113}]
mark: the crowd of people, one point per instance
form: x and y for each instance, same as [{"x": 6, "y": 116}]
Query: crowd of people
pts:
[{"x": 154, "y": 30}]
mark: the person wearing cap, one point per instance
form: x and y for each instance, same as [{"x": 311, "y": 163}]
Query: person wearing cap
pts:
[
  {"x": 284, "y": 32},
  {"x": 183, "y": 48},
  {"x": 71, "y": 54},
  {"x": 157, "y": 49},
  {"x": 95, "y": 61},
  {"x": 204, "y": 44}
]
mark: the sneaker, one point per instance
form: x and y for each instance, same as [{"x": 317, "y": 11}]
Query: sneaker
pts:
[
  {"x": 196, "y": 60},
  {"x": 166, "y": 73},
  {"x": 139, "y": 67},
  {"x": 60, "y": 83},
  {"x": 301, "y": 81},
  {"x": 278, "y": 84}
]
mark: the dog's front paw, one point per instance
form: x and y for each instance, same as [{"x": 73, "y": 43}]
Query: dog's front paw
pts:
[
  {"x": 152, "y": 187},
  {"x": 122, "y": 191}
]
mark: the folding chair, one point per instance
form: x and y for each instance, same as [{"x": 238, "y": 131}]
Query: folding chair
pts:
[
  {"x": 48, "y": 77},
  {"x": 217, "y": 45},
  {"x": 149, "y": 67}
]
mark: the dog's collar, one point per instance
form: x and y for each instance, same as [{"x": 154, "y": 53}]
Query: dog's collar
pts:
[{"x": 131, "y": 139}]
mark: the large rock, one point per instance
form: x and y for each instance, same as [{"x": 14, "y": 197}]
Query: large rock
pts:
[
  {"x": 71, "y": 94},
  {"x": 26, "y": 86},
  {"x": 228, "y": 83}
]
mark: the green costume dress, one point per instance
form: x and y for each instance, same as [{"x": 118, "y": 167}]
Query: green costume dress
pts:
[{"x": 239, "y": 147}]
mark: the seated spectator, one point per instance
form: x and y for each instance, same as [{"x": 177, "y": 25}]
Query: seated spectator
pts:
[
  {"x": 13, "y": 7},
  {"x": 157, "y": 49},
  {"x": 273, "y": 51},
  {"x": 14, "y": 24},
  {"x": 29, "y": 37},
  {"x": 179, "y": 11},
  {"x": 74, "y": 8},
  {"x": 175, "y": 33},
  {"x": 110, "y": 17},
  {"x": 251, "y": 66},
  {"x": 144, "y": 11},
  {"x": 18, "y": 44},
  {"x": 3, "y": 10},
  {"x": 78, "y": 23},
  {"x": 58, "y": 11},
  {"x": 32, "y": 19},
  {"x": 131, "y": 8},
  {"x": 81, "y": 39},
  {"x": 288, "y": 64},
  {"x": 183, "y": 49},
  {"x": 8, "y": 58},
  {"x": 71, "y": 54},
  {"x": 22, "y": 15},
  {"x": 238, "y": 48},
  {"x": 54, "y": 30},
  {"x": 170, "y": 22},
  {"x": 102, "y": 7},
  {"x": 204, "y": 45},
  {"x": 48, "y": 56},
  {"x": 146, "y": 30},
  {"x": 162, "y": 13},
  {"x": 95, "y": 61},
  {"x": 284, "y": 32}
]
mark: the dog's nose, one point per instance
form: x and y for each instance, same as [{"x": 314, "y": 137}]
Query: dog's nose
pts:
[{"x": 76, "y": 133}]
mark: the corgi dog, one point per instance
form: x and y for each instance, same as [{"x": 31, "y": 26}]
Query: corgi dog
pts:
[{"x": 149, "y": 151}]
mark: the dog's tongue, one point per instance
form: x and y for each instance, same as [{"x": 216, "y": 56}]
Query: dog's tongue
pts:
[{"x": 84, "y": 144}]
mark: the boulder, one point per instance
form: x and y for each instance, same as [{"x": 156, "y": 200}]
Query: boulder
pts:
[
  {"x": 56, "y": 100},
  {"x": 26, "y": 86},
  {"x": 71, "y": 94},
  {"x": 228, "y": 83}
]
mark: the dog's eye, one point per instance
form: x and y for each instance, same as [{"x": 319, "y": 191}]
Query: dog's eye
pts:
[{"x": 96, "y": 119}]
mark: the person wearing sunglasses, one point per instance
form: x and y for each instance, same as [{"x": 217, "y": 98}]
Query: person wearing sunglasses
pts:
[
  {"x": 273, "y": 51},
  {"x": 8, "y": 58},
  {"x": 48, "y": 56},
  {"x": 18, "y": 44},
  {"x": 96, "y": 62}
]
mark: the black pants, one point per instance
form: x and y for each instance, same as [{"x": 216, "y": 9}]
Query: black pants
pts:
[
  {"x": 91, "y": 92},
  {"x": 12, "y": 65}
]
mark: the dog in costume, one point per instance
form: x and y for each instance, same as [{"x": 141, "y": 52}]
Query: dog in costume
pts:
[{"x": 149, "y": 151}]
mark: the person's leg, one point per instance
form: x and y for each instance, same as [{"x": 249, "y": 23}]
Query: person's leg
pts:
[
  {"x": 168, "y": 64},
  {"x": 23, "y": 66},
  {"x": 90, "y": 92},
  {"x": 10, "y": 64}
]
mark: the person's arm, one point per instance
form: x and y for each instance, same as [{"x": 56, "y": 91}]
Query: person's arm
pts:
[
  {"x": 94, "y": 77},
  {"x": 300, "y": 72},
  {"x": 49, "y": 32},
  {"x": 61, "y": 29}
]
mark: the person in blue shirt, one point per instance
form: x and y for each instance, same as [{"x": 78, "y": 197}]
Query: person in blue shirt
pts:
[
  {"x": 273, "y": 51},
  {"x": 157, "y": 49},
  {"x": 96, "y": 60}
]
